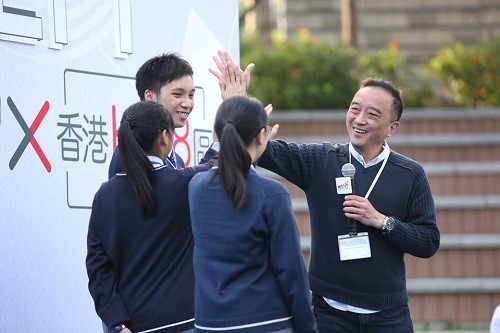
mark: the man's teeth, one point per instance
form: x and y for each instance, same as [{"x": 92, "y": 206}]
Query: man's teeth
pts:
[{"x": 357, "y": 130}]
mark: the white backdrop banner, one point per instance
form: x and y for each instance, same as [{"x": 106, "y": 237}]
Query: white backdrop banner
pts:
[{"x": 67, "y": 72}]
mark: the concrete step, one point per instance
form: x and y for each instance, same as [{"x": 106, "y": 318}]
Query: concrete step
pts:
[
  {"x": 439, "y": 121},
  {"x": 464, "y": 178},
  {"x": 461, "y": 177},
  {"x": 429, "y": 147},
  {"x": 467, "y": 196},
  {"x": 455, "y": 214},
  {"x": 448, "y": 242},
  {"x": 459, "y": 256},
  {"x": 462, "y": 311}
]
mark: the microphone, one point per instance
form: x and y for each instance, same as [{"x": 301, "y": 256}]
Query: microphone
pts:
[{"x": 348, "y": 170}]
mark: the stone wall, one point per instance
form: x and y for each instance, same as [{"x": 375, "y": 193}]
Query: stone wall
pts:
[{"x": 419, "y": 27}]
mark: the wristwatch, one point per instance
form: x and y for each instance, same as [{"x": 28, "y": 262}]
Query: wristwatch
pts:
[
  {"x": 388, "y": 224},
  {"x": 117, "y": 328}
]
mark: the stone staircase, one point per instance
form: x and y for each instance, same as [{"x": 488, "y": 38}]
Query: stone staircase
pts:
[{"x": 459, "y": 287}]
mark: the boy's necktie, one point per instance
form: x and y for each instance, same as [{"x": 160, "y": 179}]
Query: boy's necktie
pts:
[{"x": 171, "y": 159}]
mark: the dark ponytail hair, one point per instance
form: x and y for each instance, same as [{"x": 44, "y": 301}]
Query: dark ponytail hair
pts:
[
  {"x": 238, "y": 121},
  {"x": 140, "y": 127}
]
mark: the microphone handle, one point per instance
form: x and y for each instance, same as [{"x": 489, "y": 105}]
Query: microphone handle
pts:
[{"x": 352, "y": 223}]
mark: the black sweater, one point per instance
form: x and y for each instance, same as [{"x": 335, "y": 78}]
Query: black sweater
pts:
[{"x": 402, "y": 191}]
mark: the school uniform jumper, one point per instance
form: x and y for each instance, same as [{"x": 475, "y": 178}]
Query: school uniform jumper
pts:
[
  {"x": 250, "y": 275},
  {"x": 402, "y": 191},
  {"x": 140, "y": 268}
]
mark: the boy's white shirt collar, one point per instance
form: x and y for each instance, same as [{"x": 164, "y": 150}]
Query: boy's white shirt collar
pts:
[{"x": 385, "y": 152}]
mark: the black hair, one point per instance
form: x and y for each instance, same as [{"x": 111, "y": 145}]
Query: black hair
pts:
[
  {"x": 238, "y": 121},
  {"x": 140, "y": 127},
  {"x": 160, "y": 70},
  {"x": 397, "y": 102}
]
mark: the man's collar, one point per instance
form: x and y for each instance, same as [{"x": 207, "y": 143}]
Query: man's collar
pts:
[{"x": 386, "y": 151}]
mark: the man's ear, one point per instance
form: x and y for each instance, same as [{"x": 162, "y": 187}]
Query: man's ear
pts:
[
  {"x": 393, "y": 128},
  {"x": 149, "y": 95}
]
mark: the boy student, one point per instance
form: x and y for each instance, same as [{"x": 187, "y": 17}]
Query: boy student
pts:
[{"x": 168, "y": 80}]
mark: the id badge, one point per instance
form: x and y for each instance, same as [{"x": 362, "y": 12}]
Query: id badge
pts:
[{"x": 354, "y": 247}]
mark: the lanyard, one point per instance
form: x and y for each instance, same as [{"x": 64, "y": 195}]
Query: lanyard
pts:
[
  {"x": 384, "y": 162},
  {"x": 352, "y": 223}
]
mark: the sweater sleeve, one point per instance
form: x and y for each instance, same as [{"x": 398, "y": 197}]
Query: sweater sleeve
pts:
[
  {"x": 287, "y": 261},
  {"x": 211, "y": 156},
  {"x": 419, "y": 234},
  {"x": 298, "y": 163},
  {"x": 102, "y": 282}
]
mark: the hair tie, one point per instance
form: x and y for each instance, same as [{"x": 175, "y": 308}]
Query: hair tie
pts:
[{"x": 131, "y": 121}]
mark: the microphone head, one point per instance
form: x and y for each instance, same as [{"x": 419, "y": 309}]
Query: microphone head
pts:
[{"x": 348, "y": 170}]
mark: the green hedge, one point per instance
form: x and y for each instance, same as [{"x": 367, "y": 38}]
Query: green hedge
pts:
[
  {"x": 471, "y": 74},
  {"x": 305, "y": 73}
]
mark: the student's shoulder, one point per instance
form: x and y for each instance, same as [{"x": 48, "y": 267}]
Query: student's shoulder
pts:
[
  {"x": 268, "y": 186},
  {"x": 203, "y": 174},
  {"x": 111, "y": 186},
  {"x": 202, "y": 177}
]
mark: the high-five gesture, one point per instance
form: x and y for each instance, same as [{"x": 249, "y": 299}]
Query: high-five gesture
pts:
[{"x": 233, "y": 80}]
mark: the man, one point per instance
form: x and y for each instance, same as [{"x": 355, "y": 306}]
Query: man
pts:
[
  {"x": 168, "y": 79},
  {"x": 357, "y": 270}
]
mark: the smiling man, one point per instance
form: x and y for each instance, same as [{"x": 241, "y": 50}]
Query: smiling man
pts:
[
  {"x": 166, "y": 79},
  {"x": 359, "y": 238}
]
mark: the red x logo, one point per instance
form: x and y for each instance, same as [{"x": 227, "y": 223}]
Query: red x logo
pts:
[{"x": 29, "y": 135}]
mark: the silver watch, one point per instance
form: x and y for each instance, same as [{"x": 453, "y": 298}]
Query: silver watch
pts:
[{"x": 388, "y": 224}]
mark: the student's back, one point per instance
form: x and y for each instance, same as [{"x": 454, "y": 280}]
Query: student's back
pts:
[
  {"x": 152, "y": 256},
  {"x": 139, "y": 243},
  {"x": 249, "y": 271},
  {"x": 240, "y": 281}
]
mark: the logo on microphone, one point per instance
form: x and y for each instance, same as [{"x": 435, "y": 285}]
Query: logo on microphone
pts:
[{"x": 344, "y": 185}]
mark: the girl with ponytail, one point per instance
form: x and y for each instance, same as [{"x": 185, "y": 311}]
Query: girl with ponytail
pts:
[
  {"x": 139, "y": 243},
  {"x": 249, "y": 270}
]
